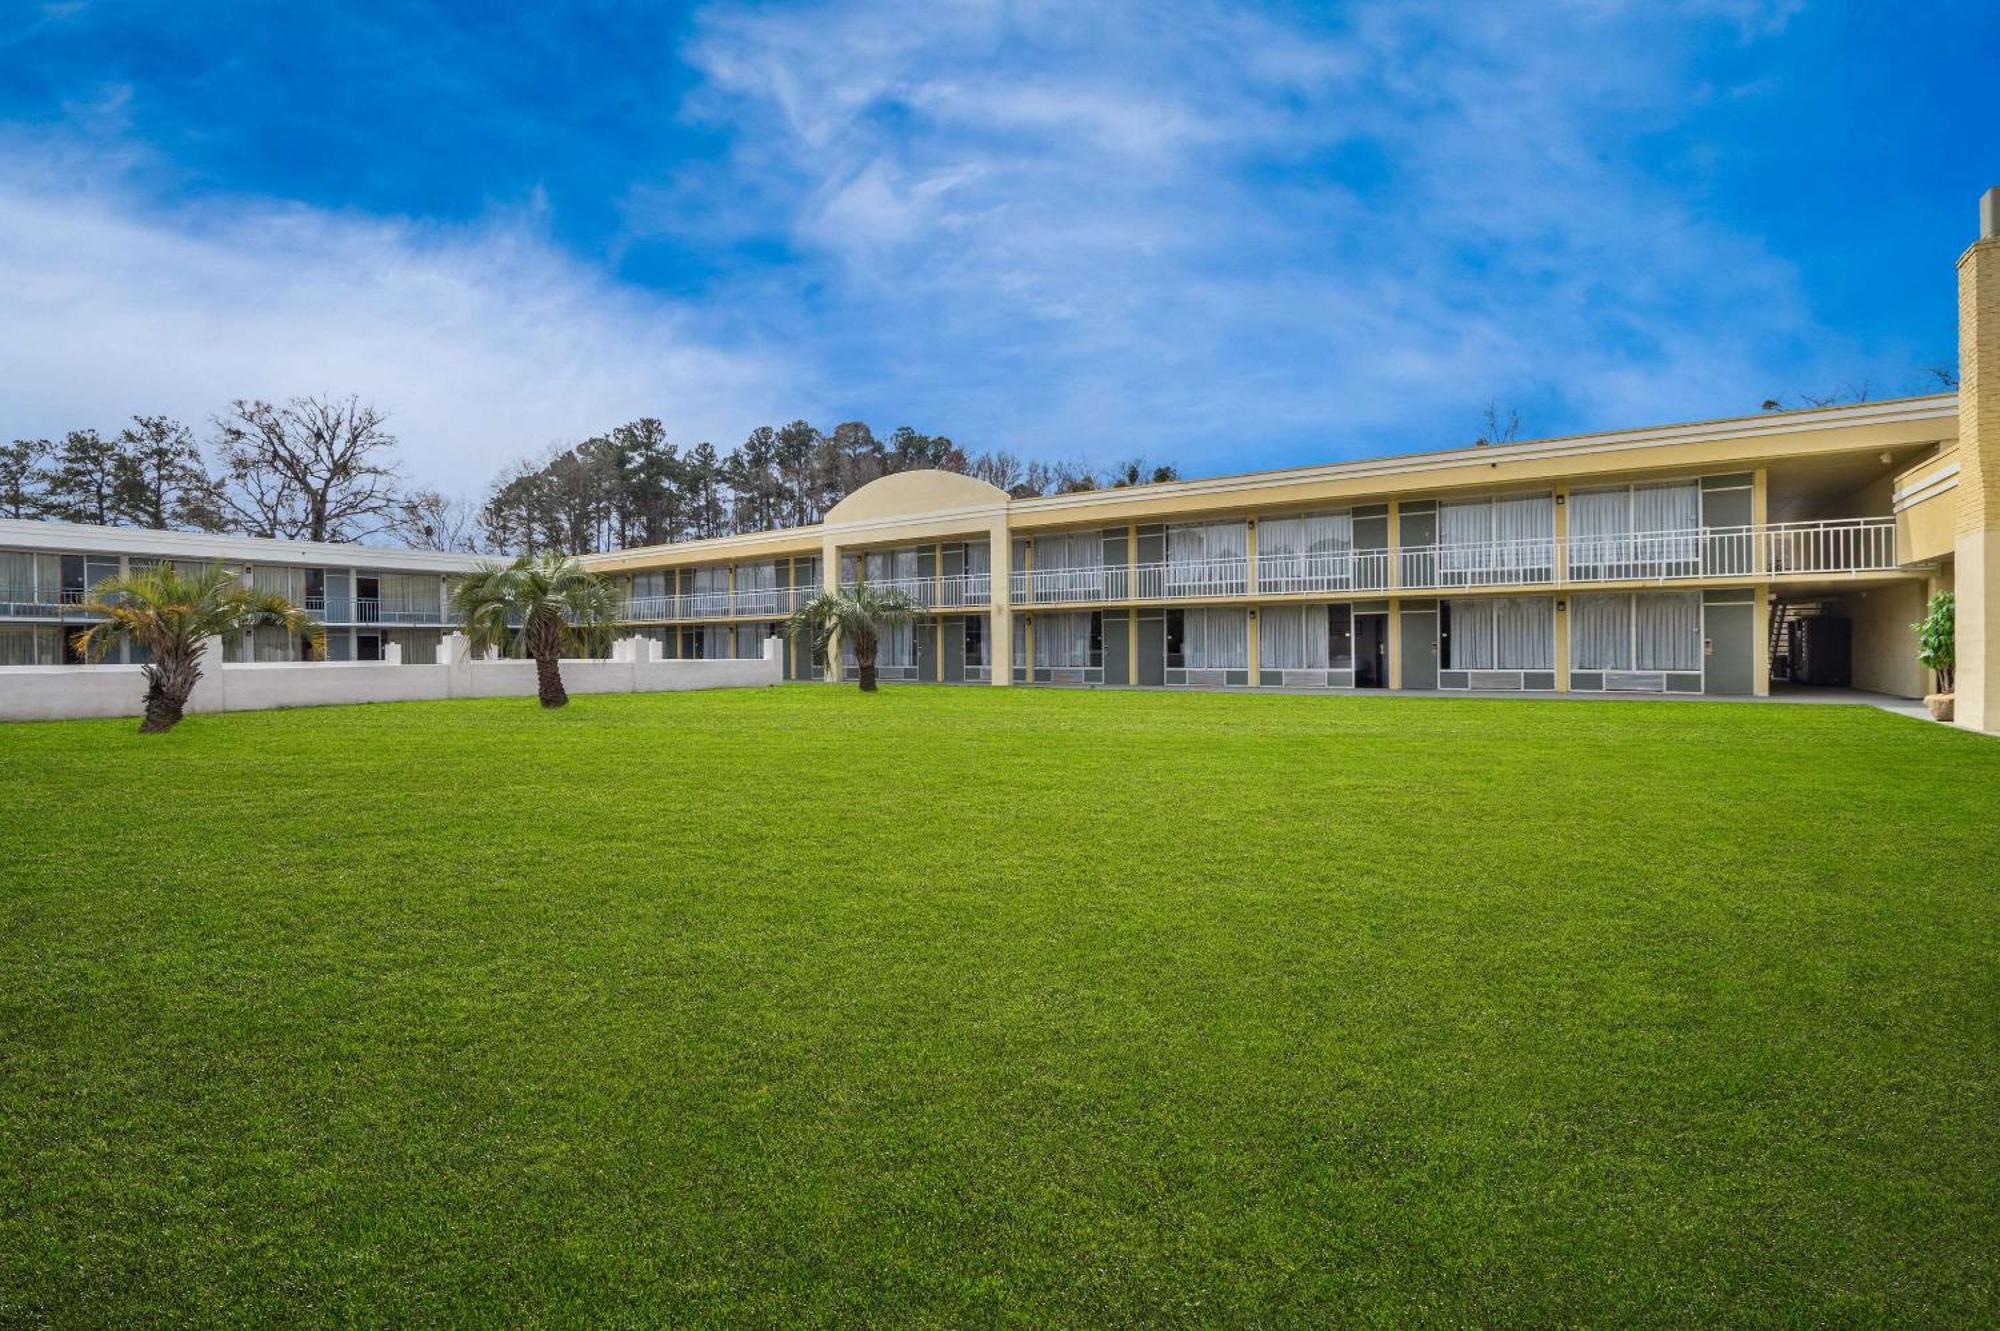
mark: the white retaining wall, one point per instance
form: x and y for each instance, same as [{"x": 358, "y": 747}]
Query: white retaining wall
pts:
[{"x": 48, "y": 693}]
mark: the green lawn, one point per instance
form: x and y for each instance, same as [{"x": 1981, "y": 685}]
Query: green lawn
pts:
[{"x": 983, "y": 1006}]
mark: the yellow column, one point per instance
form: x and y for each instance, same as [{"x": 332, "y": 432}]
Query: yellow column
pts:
[
  {"x": 1760, "y": 510},
  {"x": 1395, "y": 625},
  {"x": 1562, "y": 643},
  {"x": 829, "y": 580},
  {"x": 1132, "y": 597},
  {"x": 1976, "y": 563},
  {"x": 1760, "y": 669},
  {"x": 1250, "y": 548},
  {"x": 1395, "y": 573},
  {"x": 1562, "y": 533},
  {"x": 1000, "y": 630}
]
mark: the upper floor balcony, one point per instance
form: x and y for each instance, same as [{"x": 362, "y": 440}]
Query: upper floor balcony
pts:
[{"x": 1842, "y": 546}]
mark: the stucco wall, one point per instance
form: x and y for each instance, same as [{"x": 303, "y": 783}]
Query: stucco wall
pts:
[
  {"x": 1885, "y": 647},
  {"x": 46, "y": 693}
]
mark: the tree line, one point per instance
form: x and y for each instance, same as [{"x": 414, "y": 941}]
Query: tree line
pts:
[
  {"x": 327, "y": 469},
  {"x": 631, "y": 486}
]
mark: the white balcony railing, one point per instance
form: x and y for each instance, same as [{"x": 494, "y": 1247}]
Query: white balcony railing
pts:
[
  {"x": 399, "y": 610},
  {"x": 1789, "y": 549},
  {"x": 1329, "y": 571}
]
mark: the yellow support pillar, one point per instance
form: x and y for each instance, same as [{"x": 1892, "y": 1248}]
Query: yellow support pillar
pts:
[
  {"x": 1132, "y": 600},
  {"x": 1395, "y": 628},
  {"x": 1000, "y": 579},
  {"x": 1250, "y": 583}
]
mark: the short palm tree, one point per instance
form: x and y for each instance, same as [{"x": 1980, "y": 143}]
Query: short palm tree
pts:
[
  {"x": 856, "y": 615},
  {"x": 546, "y": 603},
  {"x": 170, "y": 616}
]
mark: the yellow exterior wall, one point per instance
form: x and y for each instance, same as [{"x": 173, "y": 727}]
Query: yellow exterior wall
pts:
[
  {"x": 1885, "y": 646},
  {"x": 1977, "y": 559}
]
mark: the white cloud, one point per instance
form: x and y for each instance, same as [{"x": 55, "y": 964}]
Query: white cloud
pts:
[
  {"x": 484, "y": 342},
  {"x": 1113, "y": 227}
]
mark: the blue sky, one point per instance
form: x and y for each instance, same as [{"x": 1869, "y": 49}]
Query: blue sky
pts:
[{"x": 1228, "y": 235}]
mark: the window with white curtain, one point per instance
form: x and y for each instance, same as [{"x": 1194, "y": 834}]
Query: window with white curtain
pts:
[
  {"x": 1065, "y": 640},
  {"x": 649, "y": 584},
  {"x": 1600, "y": 631},
  {"x": 1469, "y": 645},
  {"x": 760, "y": 577},
  {"x": 29, "y": 645},
  {"x": 1312, "y": 534},
  {"x": 1292, "y": 637},
  {"x": 1502, "y": 633},
  {"x": 1635, "y": 631},
  {"x": 1215, "y": 639},
  {"x": 978, "y": 557},
  {"x": 1666, "y": 631},
  {"x": 278, "y": 580},
  {"x": 1500, "y": 535},
  {"x": 1619, "y": 530},
  {"x": 1077, "y": 549},
  {"x": 1195, "y": 543}
]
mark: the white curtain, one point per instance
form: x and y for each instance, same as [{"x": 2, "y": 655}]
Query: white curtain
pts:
[
  {"x": 649, "y": 584},
  {"x": 1524, "y": 633},
  {"x": 289, "y": 583},
  {"x": 1079, "y": 549},
  {"x": 1667, "y": 518},
  {"x": 23, "y": 645},
  {"x": 272, "y": 643},
  {"x": 1472, "y": 634},
  {"x": 1506, "y": 533},
  {"x": 1216, "y": 639},
  {"x": 978, "y": 557},
  {"x": 1192, "y": 543},
  {"x": 1062, "y": 639},
  {"x": 1292, "y": 637},
  {"x": 17, "y": 580},
  {"x": 1667, "y": 630},
  {"x": 1313, "y": 534},
  {"x": 756, "y": 577},
  {"x": 903, "y": 563},
  {"x": 1600, "y": 631},
  {"x": 711, "y": 580}
]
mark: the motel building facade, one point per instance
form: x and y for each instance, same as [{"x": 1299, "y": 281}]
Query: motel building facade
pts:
[{"x": 1736, "y": 558}]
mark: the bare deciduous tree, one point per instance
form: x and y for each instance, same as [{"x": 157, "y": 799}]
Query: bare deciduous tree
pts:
[
  {"x": 313, "y": 469},
  {"x": 431, "y": 520}
]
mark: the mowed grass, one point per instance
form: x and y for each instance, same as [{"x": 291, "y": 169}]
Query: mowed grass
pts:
[{"x": 949, "y": 1007}]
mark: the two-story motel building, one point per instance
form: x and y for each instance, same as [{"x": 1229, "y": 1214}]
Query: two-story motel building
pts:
[
  {"x": 1731, "y": 557},
  {"x": 366, "y": 597}
]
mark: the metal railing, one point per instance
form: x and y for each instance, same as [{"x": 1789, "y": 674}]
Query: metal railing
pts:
[
  {"x": 1831, "y": 546},
  {"x": 398, "y": 610},
  {"x": 1329, "y": 571}
]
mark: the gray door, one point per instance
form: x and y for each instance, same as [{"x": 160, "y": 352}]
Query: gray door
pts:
[
  {"x": 1117, "y": 648},
  {"x": 1729, "y": 648},
  {"x": 954, "y": 650},
  {"x": 1420, "y": 649},
  {"x": 927, "y": 660},
  {"x": 1151, "y": 667}
]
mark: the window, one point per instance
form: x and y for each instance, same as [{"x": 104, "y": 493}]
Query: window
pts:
[
  {"x": 1340, "y": 637},
  {"x": 1292, "y": 638},
  {"x": 1506, "y": 538},
  {"x": 1069, "y": 641},
  {"x": 1630, "y": 530},
  {"x": 1499, "y": 633},
  {"x": 1640, "y": 631},
  {"x": 975, "y": 640},
  {"x": 1208, "y": 639}
]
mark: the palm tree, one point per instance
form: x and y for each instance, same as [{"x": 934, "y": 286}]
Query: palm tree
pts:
[
  {"x": 856, "y": 615},
  {"x": 170, "y": 616},
  {"x": 546, "y": 603}
]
